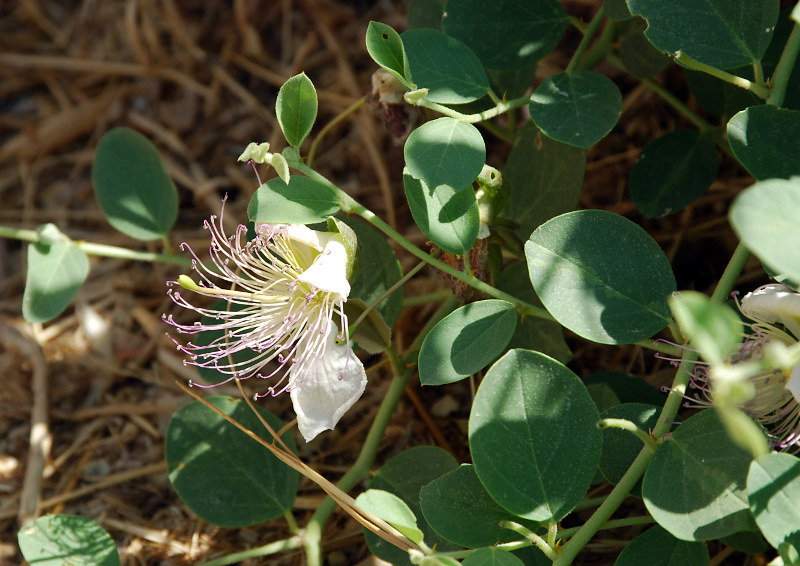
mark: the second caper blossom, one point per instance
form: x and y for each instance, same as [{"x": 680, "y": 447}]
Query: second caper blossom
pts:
[
  {"x": 290, "y": 285},
  {"x": 775, "y": 402}
]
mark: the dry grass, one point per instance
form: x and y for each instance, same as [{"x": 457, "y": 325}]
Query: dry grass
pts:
[{"x": 200, "y": 78}]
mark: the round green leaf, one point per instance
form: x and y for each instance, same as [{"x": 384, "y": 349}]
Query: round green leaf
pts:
[
  {"x": 449, "y": 218},
  {"x": 766, "y": 140},
  {"x": 132, "y": 185},
  {"x": 445, "y": 152},
  {"x": 695, "y": 484},
  {"x": 507, "y": 35},
  {"x": 458, "y": 507},
  {"x": 601, "y": 276},
  {"x": 722, "y": 34},
  {"x": 773, "y": 488},
  {"x": 448, "y": 68},
  {"x": 533, "y": 436},
  {"x": 673, "y": 171},
  {"x": 385, "y": 47},
  {"x": 296, "y": 108},
  {"x": 546, "y": 179},
  {"x": 56, "y": 540},
  {"x": 223, "y": 475},
  {"x": 404, "y": 475},
  {"x": 492, "y": 557},
  {"x": 765, "y": 219},
  {"x": 656, "y": 547},
  {"x": 466, "y": 341},
  {"x": 545, "y": 336},
  {"x": 577, "y": 108},
  {"x": 303, "y": 201},
  {"x": 391, "y": 509},
  {"x": 714, "y": 329},
  {"x": 56, "y": 270},
  {"x": 620, "y": 447}
]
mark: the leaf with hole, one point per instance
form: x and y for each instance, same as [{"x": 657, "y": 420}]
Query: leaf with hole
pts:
[{"x": 385, "y": 46}]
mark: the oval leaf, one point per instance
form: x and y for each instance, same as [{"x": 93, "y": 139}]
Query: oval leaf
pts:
[
  {"x": 385, "y": 47},
  {"x": 710, "y": 501},
  {"x": 222, "y": 474},
  {"x": 391, "y": 509},
  {"x": 507, "y": 35},
  {"x": 404, "y": 475},
  {"x": 765, "y": 219},
  {"x": 445, "y": 152},
  {"x": 56, "y": 540},
  {"x": 773, "y": 488},
  {"x": 734, "y": 34},
  {"x": 450, "y": 71},
  {"x": 132, "y": 185},
  {"x": 458, "y": 507},
  {"x": 56, "y": 270},
  {"x": 656, "y": 547},
  {"x": 766, "y": 140},
  {"x": 296, "y": 108},
  {"x": 466, "y": 341},
  {"x": 673, "y": 171},
  {"x": 303, "y": 201},
  {"x": 577, "y": 108},
  {"x": 450, "y": 218},
  {"x": 532, "y": 418},
  {"x": 601, "y": 276},
  {"x": 546, "y": 179}
]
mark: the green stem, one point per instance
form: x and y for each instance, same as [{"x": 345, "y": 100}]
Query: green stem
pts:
[
  {"x": 399, "y": 283},
  {"x": 625, "y": 424},
  {"x": 613, "y": 524},
  {"x": 501, "y": 108},
  {"x": 784, "y": 68},
  {"x": 350, "y": 205},
  {"x": 266, "y": 550},
  {"x": 601, "y": 47},
  {"x": 661, "y": 347},
  {"x": 731, "y": 273},
  {"x": 538, "y": 541},
  {"x": 752, "y": 86},
  {"x": 427, "y": 298},
  {"x": 312, "y": 152},
  {"x": 587, "y": 38},
  {"x": 99, "y": 249}
]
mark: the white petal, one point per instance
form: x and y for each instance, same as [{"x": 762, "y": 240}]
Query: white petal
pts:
[
  {"x": 793, "y": 383},
  {"x": 332, "y": 385},
  {"x": 774, "y": 303},
  {"x": 329, "y": 271}
]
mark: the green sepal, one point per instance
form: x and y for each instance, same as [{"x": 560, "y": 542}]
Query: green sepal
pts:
[
  {"x": 372, "y": 333},
  {"x": 350, "y": 241}
]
